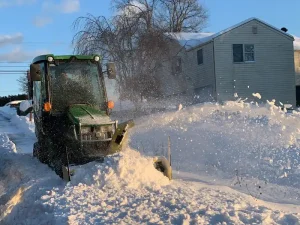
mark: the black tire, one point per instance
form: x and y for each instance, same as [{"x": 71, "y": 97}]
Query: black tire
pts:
[
  {"x": 39, "y": 153},
  {"x": 57, "y": 167},
  {"x": 46, "y": 150},
  {"x": 36, "y": 148}
]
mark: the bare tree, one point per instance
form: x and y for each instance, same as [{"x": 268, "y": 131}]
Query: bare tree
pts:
[
  {"x": 182, "y": 15},
  {"x": 23, "y": 83},
  {"x": 134, "y": 39}
]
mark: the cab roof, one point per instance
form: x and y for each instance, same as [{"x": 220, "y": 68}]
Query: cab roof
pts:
[{"x": 57, "y": 57}]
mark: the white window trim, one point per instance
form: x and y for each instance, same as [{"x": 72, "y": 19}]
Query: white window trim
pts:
[
  {"x": 248, "y": 52},
  {"x": 244, "y": 52}
]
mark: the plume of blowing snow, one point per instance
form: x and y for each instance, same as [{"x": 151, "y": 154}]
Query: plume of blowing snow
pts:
[{"x": 257, "y": 95}]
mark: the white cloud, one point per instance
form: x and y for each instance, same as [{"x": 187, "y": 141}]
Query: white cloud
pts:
[
  {"x": 19, "y": 55},
  {"x": 40, "y": 21},
  {"x": 64, "y": 6},
  {"x": 11, "y": 39},
  {"x": 9, "y": 3},
  {"x": 70, "y": 6}
]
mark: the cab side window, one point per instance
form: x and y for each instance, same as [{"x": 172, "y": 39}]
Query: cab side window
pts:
[{"x": 38, "y": 91}]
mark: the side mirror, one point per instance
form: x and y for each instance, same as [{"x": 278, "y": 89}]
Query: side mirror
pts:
[
  {"x": 35, "y": 72},
  {"x": 111, "y": 70},
  {"x": 25, "y": 108}
]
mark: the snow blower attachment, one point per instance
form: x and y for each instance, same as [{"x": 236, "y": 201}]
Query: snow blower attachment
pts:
[
  {"x": 71, "y": 112},
  {"x": 163, "y": 164}
]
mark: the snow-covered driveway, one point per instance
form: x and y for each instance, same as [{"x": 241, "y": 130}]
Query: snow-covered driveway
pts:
[{"x": 126, "y": 189}]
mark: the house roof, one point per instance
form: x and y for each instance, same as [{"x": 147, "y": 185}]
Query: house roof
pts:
[{"x": 191, "y": 40}]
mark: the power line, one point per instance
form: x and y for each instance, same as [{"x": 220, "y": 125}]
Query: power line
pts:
[
  {"x": 39, "y": 42},
  {"x": 12, "y": 71},
  {"x": 8, "y": 91},
  {"x": 42, "y": 42},
  {"x": 13, "y": 66},
  {"x": 13, "y": 62}
]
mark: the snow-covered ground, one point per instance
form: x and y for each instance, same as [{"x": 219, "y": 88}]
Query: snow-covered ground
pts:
[{"x": 236, "y": 163}]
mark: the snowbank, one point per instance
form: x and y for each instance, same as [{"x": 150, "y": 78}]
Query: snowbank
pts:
[
  {"x": 7, "y": 111},
  {"x": 224, "y": 144},
  {"x": 215, "y": 149},
  {"x": 24, "y": 105},
  {"x": 128, "y": 169},
  {"x": 20, "y": 129},
  {"x": 22, "y": 123}
]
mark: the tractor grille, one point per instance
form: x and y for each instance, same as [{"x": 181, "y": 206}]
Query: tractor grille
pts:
[
  {"x": 95, "y": 149},
  {"x": 99, "y": 133},
  {"x": 97, "y": 137}
]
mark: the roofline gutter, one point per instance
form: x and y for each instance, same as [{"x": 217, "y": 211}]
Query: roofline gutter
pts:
[{"x": 201, "y": 45}]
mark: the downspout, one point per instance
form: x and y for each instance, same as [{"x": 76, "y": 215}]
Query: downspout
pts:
[{"x": 215, "y": 89}]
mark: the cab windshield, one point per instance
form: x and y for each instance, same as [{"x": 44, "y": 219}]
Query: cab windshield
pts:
[{"x": 76, "y": 83}]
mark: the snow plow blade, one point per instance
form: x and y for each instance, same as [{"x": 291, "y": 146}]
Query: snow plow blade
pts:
[
  {"x": 118, "y": 139},
  {"x": 163, "y": 165},
  {"x": 120, "y": 136}
]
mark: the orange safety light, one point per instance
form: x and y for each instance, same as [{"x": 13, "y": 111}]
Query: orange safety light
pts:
[
  {"x": 47, "y": 106},
  {"x": 110, "y": 104}
]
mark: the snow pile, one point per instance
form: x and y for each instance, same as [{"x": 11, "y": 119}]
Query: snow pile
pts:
[
  {"x": 23, "y": 180},
  {"x": 21, "y": 122},
  {"x": 215, "y": 149},
  {"x": 258, "y": 144},
  {"x": 24, "y": 105},
  {"x": 127, "y": 169},
  {"x": 7, "y": 111},
  {"x": 20, "y": 131}
]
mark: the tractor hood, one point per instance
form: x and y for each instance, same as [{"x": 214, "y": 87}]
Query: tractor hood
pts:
[{"x": 87, "y": 115}]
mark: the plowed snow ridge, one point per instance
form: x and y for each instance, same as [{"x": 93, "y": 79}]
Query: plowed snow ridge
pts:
[{"x": 209, "y": 144}]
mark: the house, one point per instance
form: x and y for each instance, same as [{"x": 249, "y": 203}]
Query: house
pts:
[
  {"x": 250, "y": 57},
  {"x": 297, "y": 68},
  {"x": 297, "y": 59}
]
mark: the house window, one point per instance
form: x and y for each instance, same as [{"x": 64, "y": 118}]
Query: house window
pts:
[
  {"x": 243, "y": 53},
  {"x": 177, "y": 65},
  {"x": 249, "y": 53},
  {"x": 200, "y": 56}
]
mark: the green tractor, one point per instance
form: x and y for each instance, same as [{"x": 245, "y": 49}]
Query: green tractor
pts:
[{"x": 71, "y": 111}]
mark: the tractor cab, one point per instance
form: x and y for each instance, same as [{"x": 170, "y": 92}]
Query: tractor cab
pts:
[
  {"x": 61, "y": 81},
  {"x": 71, "y": 110}
]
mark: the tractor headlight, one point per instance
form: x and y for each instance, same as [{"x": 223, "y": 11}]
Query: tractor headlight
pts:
[
  {"x": 97, "y": 58},
  {"x": 50, "y": 59}
]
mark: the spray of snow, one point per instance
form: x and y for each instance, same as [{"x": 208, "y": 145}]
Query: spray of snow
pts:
[{"x": 257, "y": 95}]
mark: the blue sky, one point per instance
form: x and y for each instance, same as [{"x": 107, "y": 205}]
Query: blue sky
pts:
[{"x": 33, "y": 27}]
